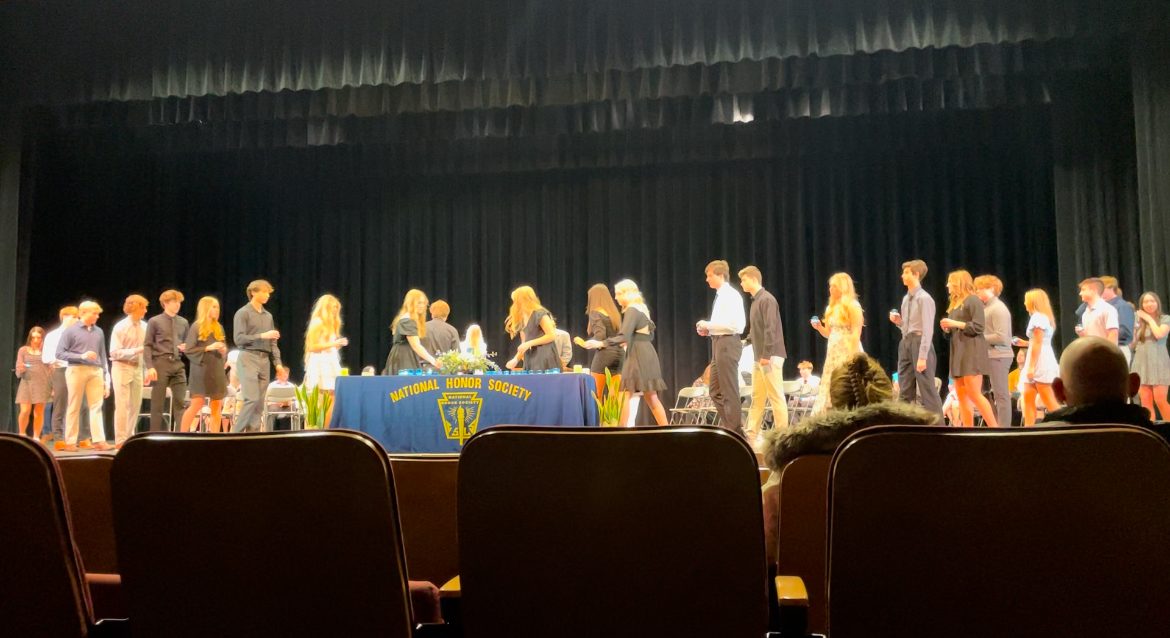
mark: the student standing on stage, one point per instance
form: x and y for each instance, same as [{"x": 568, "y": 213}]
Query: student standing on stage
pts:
[
  {"x": 473, "y": 342},
  {"x": 166, "y": 336},
  {"x": 641, "y": 372},
  {"x": 1099, "y": 318},
  {"x": 1040, "y": 366},
  {"x": 916, "y": 357},
  {"x": 409, "y": 328},
  {"x": 441, "y": 336},
  {"x": 83, "y": 347},
  {"x": 766, "y": 334},
  {"x": 1150, "y": 359},
  {"x": 1126, "y": 321},
  {"x": 323, "y": 343},
  {"x": 604, "y": 324},
  {"x": 36, "y": 383},
  {"x": 964, "y": 326},
  {"x": 998, "y": 332},
  {"x": 127, "y": 366},
  {"x": 842, "y": 325},
  {"x": 724, "y": 327},
  {"x": 206, "y": 349},
  {"x": 68, "y": 317},
  {"x": 537, "y": 331},
  {"x": 255, "y": 334}
]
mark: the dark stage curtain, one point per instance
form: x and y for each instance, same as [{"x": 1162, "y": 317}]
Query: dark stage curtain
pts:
[
  {"x": 1151, "y": 107},
  {"x": 861, "y": 195}
]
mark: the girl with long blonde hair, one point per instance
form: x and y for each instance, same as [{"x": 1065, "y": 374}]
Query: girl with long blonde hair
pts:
[
  {"x": 964, "y": 325},
  {"x": 323, "y": 343},
  {"x": 842, "y": 325},
  {"x": 409, "y": 327},
  {"x": 473, "y": 341},
  {"x": 1040, "y": 364},
  {"x": 536, "y": 328},
  {"x": 641, "y": 372},
  {"x": 206, "y": 350}
]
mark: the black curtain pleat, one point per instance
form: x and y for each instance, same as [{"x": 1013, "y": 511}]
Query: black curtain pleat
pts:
[
  {"x": 959, "y": 190},
  {"x": 1151, "y": 108}
]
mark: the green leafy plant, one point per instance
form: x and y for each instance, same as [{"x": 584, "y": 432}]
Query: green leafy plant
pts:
[
  {"x": 609, "y": 403},
  {"x": 316, "y": 403},
  {"x": 455, "y": 362}
]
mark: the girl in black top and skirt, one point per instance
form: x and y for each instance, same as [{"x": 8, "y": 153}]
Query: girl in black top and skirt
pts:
[
  {"x": 536, "y": 328},
  {"x": 641, "y": 372},
  {"x": 963, "y": 325},
  {"x": 604, "y": 323},
  {"x": 409, "y": 326}
]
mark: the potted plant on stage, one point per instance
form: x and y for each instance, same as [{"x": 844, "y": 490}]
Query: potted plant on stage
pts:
[
  {"x": 609, "y": 404},
  {"x": 316, "y": 404},
  {"x": 455, "y": 362}
]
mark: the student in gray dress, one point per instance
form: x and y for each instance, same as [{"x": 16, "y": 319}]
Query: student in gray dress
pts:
[
  {"x": 641, "y": 373},
  {"x": 536, "y": 328},
  {"x": 36, "y": 383},
  {"x": 964, "y": 326},
  {"x": 1151, "y": 360},
  {"x": 255, "y": 335},
  {"x": 407, "y": 351}
]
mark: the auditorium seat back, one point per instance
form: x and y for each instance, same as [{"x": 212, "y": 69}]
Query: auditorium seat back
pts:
[
  {"x": 42, "y": 590},
  {"x": 1049, "y": 531},
  {"x": 426, "y": 487},
  {"x": 87, "y": 490},
  {"x": 585, "y": 532},
  {"x": 286, "y": 534},
  {"x": 803, "y": 528}
]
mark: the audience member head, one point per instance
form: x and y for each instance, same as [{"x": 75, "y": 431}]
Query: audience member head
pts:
[
  {"x": 171, "y": 301},
  {"x": 440, "y": 310},
  {"x": 68, "y": 316},
  {"x": 859, "y": 381},
  {"x": 282, "y": 374},
  {"x": 135, "y": 307},
  {"x": 524, "y": 303},
  {"x": 1111, "y": 287},
  {"x": 259, "y": 291},
  {"x": 913, "y": 272},
  {"x": 1093, "y": 370},
  {"x": 89, "y": 311},
  {"x": 1151, "y": 304},
  {"x": 1091, "y": 290},
  {"x": 987, "y": 287},
  {"x": 751, "y": 279},
  {"x": 414, "y": 306},
  {"x": 599, "y": 300},
  {"x": 805, "y": 369},
  {"x": 1036, "y": 301},
  {"x": 207, "y": 319},
  {"x": 717, "y": 273},
  {"x": 36, "y": 337},
  {"x": 959, "y": 286}
]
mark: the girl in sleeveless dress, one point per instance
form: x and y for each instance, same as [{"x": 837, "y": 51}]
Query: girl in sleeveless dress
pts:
[
  {"x": 842, "y": 326},
  {"x": 1150, "y": 358},
  {"x": 36, "y": 379},
  {"x": 536, "y": 328},
  {"x": 323, "y": 342},
  {"x": 206, "y": 349},
  {"x": 1040, "y": 365},
  {"x": 641, "y": 372},
  {"x": 409, "y": 326},
  {"x": 963, "y": 325}
]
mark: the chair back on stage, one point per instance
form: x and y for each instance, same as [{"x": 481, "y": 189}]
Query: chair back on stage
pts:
[
  {"x": 1051, "y": 531},
  {"x": 42, "y": 587},
  {"x": 290, "y": 534},
  {"x": 584, "y": 532},
  {"x": 802, "y": 530},
  {"x": 426, "y": 487}
]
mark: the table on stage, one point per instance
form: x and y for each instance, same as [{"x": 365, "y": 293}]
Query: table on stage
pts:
[{"x": 438, "y": 413}]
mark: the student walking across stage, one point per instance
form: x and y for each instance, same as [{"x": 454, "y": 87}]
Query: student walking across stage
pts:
[
  {"x": 724, "y": 327},
  {"x": 254, "y": 333}
]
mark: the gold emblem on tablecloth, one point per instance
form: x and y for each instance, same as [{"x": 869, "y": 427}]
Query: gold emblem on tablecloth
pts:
[{"x": 460, "y": 413}]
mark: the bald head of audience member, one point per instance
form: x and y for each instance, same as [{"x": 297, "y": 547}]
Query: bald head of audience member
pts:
[{"x": 1093, "y": 370}]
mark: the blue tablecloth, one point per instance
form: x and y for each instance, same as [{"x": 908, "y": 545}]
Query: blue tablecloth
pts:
[{"x": 439, "y": 413}]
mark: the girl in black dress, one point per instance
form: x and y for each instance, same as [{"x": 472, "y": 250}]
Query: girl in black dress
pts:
[
  {"x": 963, "y": 325},
  {"x": 407, "y": 351},
  {"x": 206, "y": 349},
  {"x": 641, "y": 373},
  {"x": 604, "y": 322},
  {"x": 537, "y": 330}
]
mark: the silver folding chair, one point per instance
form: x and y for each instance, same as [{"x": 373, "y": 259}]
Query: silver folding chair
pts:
[
  {"x": 281, "y": 401},
  {"x": 681, "y": 413}
]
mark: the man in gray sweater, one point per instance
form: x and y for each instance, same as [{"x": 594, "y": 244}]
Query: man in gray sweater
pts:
[{"x": 998, "y": 332}]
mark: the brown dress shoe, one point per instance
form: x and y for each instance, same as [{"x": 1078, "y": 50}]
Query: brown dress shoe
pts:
[{"x": 103, "y": 447}]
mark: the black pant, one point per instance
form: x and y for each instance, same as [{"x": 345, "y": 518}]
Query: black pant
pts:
[
  {"x": 913, "y": 384},
  {"x": 171, "y": 374},
  {"x": 60, "y": 404},
  {"x": 724, "y": 388}
]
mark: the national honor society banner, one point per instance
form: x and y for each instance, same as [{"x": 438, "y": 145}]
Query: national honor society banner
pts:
[{"x": 439, "y": 413}]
